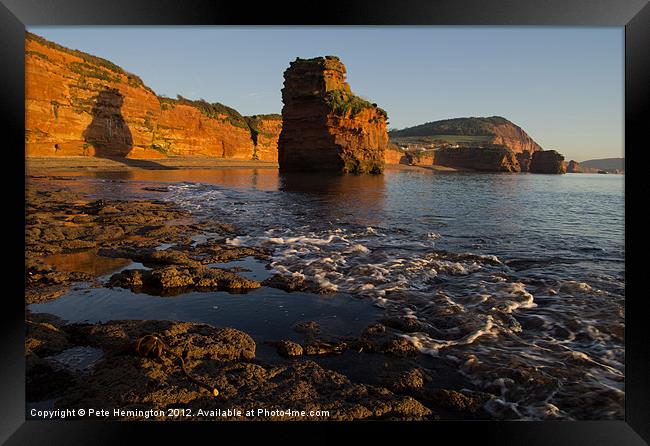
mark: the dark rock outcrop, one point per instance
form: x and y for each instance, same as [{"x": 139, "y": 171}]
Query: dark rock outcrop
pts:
[
  {"x": 487, "y": 159},
  {"x": 524, "y": 159},
  {"x": 325, "y": 127},
  {"x": 221, "y": 357},
  {"x": 172, "y": 280},
  {"x": 573, "y": 167},
  {"x": 547, "y": 161}
]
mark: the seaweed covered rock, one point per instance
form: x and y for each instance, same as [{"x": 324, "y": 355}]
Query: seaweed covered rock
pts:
[
  {"x": 224, "y": 358},
  {"x": 325, "y": 127},
  {"x": 173, "y": 280}
]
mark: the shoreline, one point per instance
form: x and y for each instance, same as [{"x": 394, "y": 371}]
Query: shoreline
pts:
[{"x": 88, "y": 164}]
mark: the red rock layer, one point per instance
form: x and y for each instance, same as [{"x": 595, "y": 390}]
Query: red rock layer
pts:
[
  {"x": 514, "y": 138},
  {"x": 316, "y": 136},
  {"x": 266, "y": 131},
  {"x": 80, "y": 105}
]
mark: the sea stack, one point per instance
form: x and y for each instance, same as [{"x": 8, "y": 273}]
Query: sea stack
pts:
[
  {"x": 325, "y": 127},
  {"x": 573, "y": 167},
  {"x": 547, "y": 161}
]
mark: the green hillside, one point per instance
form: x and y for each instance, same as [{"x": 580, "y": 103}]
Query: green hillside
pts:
[{"x": 457, "y": 126}]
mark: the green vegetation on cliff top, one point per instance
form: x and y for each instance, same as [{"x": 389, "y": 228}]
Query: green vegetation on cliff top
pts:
[
  {"x": 89, "y": 60},
  {"x": 327, "y": 62},
  {"x": 98, "y": 68},
  {"x": 342, "y": 102},
  {"x": 458, "y": 126},
  {"x": 212, "y": 110}
]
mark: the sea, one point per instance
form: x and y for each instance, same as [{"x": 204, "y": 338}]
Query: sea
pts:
[{"x": 517, "y": 280}]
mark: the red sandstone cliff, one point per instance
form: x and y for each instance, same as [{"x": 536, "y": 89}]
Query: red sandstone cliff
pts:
[
  {"x": 513, "y": 137},
  {"x": 81, "y": 105},
  {"x": 265, "y": 131},
  {"x": 393, "y": 155},
  {"x": 324, "y": 126}
]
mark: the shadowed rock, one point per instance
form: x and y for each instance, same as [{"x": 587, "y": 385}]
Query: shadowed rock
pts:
[{"x": 547, "y": 161}]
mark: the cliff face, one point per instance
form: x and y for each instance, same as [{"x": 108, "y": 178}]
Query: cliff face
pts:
[
  {"x": 81, "y": 105},
  {"x": 547, "y": 161},
  {"x": 524, "y": 158},
  {"x": 493, "y": 159},
  {"x": 419, "y": 158},
  {"x": 265, "y": 130},
  {"x": 324, "y": 126},
  {"x": 393, "y": 155},
  {"x": 514, "y": 138}
]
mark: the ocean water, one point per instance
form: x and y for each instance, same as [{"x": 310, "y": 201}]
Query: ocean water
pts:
[{"x": 516, "y": 279}]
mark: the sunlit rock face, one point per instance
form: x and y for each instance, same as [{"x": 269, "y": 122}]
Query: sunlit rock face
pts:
[
  {"x": 324, "y": 126},
  {"x": 81, "y": 105}
]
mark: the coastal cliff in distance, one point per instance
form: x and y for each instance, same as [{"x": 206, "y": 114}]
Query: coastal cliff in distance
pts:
[
  {"x": 82, "y": 105},
  {"x": 604, "y": 165},
  {"x": 491, "y": 144},
  {"x": 325, "y": 127},
  {"x": 493, "y": 130}
]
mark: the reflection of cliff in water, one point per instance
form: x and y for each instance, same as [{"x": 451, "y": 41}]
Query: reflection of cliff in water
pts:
[
  {"x": 109, "y": 134},
  {"x": 357, "y": 199}
]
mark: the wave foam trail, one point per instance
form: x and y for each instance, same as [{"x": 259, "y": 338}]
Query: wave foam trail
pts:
[{"x": 546, "y": 344}]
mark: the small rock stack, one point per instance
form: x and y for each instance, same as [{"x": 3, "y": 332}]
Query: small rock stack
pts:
[
  {"x": 326, "y": 127},
  {"x": 547, "y": 161}
]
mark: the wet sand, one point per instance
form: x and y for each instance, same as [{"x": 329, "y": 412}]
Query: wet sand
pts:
[{"x": 86, "y": 164}]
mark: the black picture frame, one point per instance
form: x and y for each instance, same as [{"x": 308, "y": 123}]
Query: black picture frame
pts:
[{"x": 634, "y": 15}]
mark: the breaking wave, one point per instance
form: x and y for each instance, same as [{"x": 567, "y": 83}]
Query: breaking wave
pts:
[{"x": 546, "y": 340}]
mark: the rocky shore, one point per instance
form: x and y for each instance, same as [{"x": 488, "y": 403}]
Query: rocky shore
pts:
[{"x": 377, "y": 374}]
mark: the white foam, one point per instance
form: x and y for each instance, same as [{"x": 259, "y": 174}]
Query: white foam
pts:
[{"x": 431, "y": 346}]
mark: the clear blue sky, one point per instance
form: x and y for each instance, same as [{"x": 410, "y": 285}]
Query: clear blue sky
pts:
[{"x": 564, "y": 86}]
